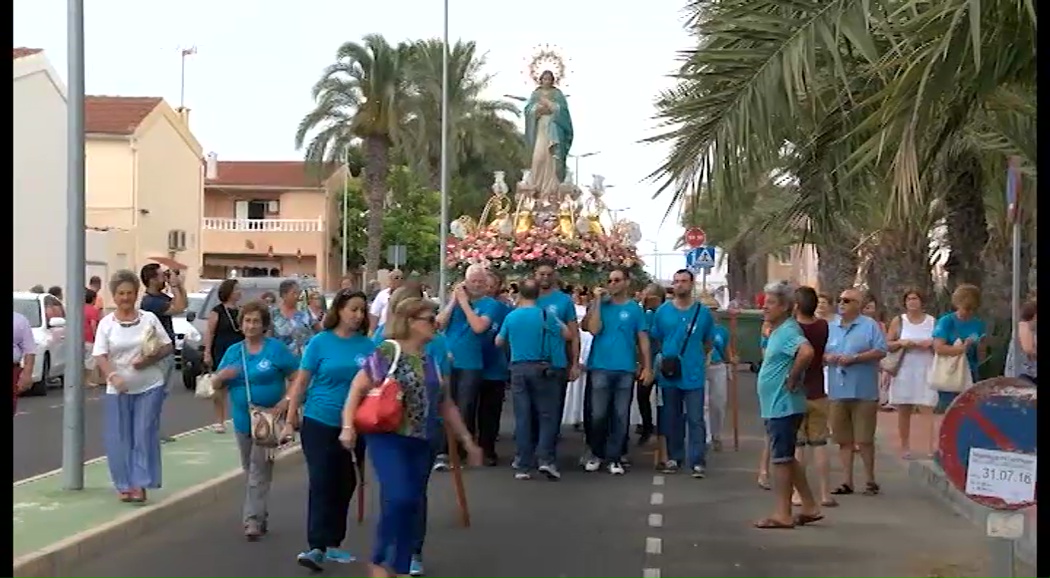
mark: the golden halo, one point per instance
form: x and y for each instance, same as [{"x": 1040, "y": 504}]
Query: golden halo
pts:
[{"x": 547, "y": 57}]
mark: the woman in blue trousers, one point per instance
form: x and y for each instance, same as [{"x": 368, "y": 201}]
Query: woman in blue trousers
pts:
[{"x": 402, "y": 458}]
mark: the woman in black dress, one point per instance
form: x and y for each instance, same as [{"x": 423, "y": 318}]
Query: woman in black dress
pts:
[{"x": 223, "y": 331}]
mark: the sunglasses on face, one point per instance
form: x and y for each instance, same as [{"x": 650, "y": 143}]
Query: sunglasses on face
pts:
[
  {"x": 429, "y": 319},
  {"x": 615, "y": 280},
  {"x": 846, "y": 300}
]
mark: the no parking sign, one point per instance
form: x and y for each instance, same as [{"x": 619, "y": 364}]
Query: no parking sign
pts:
[{"x": 988, "y": 443}]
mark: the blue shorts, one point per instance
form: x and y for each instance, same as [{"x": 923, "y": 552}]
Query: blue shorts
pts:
[{"x": 783, "y": 434}]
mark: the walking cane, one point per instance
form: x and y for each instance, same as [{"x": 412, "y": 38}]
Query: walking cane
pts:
[
  {"x": 362, "y": 482},
  {"x": 733, "y": 402},
  {"x": 457, "y": 477}
]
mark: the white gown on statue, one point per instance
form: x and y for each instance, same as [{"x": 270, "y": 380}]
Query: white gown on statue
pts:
[{"x": 574, "y": 396}]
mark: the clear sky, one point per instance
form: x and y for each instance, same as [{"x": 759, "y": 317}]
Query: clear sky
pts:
[{"x": 249, "y": 83}]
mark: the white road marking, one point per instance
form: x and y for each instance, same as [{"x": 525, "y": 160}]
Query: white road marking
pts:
[
  {"x": 653, "y": 545},
  {"x": 651, "y": 573},
  {"x": 656, "y": 520},
  {"x": 656, "y": 499},
  {"x": 658, "y": 480}
]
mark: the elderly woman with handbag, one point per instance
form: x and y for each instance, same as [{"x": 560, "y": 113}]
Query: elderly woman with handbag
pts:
[
  {"x": 129, "y": 345},
  {"x": 255, "y": 372},
  {"x": 395, "y": 402}
]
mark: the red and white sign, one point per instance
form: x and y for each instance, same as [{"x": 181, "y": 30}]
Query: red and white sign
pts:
[{"x": 695, "y": 237}]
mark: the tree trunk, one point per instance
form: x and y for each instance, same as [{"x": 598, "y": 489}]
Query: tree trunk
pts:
[
  {"x": 967, "y": 226},
  {"x": 736, "y": 273},
  {"x": 377, "y": 151},
  {"x": 900, "y": 265},
  {"x": 836, "y": 267}
]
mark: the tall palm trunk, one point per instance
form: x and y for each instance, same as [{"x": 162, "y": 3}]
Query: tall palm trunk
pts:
[
  {"x": 377, "y": 163},
  {"x": 900, "y": 263},
  {"x": 836, "y": 267},
  {"x": 966, "y": 221}
]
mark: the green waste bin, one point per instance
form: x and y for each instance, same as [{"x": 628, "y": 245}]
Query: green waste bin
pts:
[{"x": 748, "y": 335}]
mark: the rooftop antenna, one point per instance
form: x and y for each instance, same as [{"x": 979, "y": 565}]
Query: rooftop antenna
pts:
[{"x": 182, "y": 79}]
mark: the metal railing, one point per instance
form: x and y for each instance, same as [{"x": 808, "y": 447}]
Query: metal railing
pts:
[{"x": 264, "y": 225}]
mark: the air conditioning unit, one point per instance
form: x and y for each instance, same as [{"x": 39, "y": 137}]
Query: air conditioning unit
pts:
[
  {"x": 273, "y": 207},
  {"x": 176, "y": 240}
]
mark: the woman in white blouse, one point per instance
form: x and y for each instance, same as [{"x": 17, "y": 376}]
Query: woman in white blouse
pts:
[{"x": 128, "y": 345}]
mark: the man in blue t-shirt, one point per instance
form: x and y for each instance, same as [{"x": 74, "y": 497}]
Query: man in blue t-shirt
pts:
[
  {"x": 782, "y": 399},
  {"x": 466, "y": 320},
  {"x": 495, "y": 375},
  {"x": 685, "y": 329},
  {"x": 620, "y": 346},
  {"x": 535, "y": 339},
  {"x": 559, "y": 304}
]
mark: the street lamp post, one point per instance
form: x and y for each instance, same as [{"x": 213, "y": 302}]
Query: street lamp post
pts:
[
  {"x": 442, "y": 269},
  {"x": 576, "y": 169},
  {"x": 616, "y": 212},
  {"x": 73, "y": 390}
]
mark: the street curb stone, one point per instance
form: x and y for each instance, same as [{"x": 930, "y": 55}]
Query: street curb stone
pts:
[
  {"x": 60, "y": 558},
  {"x": 930, "y": 476}
]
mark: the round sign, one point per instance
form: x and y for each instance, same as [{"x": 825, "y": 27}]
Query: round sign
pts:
[
  {"x": 997, "y": 416},
  {"x": 695, "y": 237}
]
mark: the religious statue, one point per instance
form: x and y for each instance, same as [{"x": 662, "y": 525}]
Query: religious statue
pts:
[
  {"x": 593, "y": 208},
  {"x": 548, "y": 135},
  {"x": 462, "y": 227},
  {"x": 567, "y": 218}
]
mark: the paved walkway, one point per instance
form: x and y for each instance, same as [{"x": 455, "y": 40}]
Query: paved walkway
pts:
[
  {"x": 45, "y": 514},
  {"x": 593, "y": 525}
]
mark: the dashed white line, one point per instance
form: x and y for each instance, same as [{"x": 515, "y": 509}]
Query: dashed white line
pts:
[
  {"x": 657, "y": 499},
  {"x": 654, "y": 545},
  {"x": 658, "y": 480},
  {"x": 650, "y": 573},
  {"x": 656, "y": 520}
]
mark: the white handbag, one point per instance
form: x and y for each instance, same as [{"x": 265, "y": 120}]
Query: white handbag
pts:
[
  {"x": 950, "y": 373},
  {"x": 205, "y": 386}
]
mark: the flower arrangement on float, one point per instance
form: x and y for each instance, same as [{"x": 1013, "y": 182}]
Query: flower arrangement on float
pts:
[{"x": 582, "y": 252}]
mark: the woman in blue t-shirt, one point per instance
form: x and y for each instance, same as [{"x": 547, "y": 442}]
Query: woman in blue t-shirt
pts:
[
  {"x": 962, "y": 325},
  {"x": 402, "y": 458},
  {"x": 255, "y": 371},
  {"x": 331, "y": 359}
]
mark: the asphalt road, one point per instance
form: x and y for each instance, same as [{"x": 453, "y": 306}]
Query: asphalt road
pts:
[
  {"x": 37, "y": 433},
  {"x": 640, "y": 524}
]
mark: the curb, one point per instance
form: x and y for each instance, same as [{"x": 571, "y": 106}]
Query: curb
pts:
[
  {"x": 930, "y": 476},
  {"x": 60, "y": 558}
]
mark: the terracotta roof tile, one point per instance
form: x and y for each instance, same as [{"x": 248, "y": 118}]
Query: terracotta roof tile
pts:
[
  {"x": 117, "y": 114},
  {"x": 292, "y": 174},
  {"x": 22, "y": 51}
]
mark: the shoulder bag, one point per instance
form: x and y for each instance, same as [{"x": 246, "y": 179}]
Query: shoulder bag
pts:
[
  {"x": 671, "y": 365},
  {"x": 891, "y": 364},
  {"x": 382, "y": 409},
  {"x": 950, "y": 373},
  {"x": 265, "y": 427}
]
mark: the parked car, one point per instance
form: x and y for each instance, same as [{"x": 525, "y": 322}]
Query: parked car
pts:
[
  {"x": 251, "y": 288},
  {"x": 47, "y": 317},
  {"x": 186, "y": 335}
]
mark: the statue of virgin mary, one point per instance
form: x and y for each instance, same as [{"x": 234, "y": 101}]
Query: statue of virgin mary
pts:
[{"x": 548, "y": 134}]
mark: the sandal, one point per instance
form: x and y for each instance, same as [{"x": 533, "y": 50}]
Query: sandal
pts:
[
  {"x": 829, "y": 503},
  {"x": 771, "y": 524},
  {"x": 803, "y": 519},
  {"x": 871, "y": 489},
  {"x": 125, "y": 497},
  {"x": 843, "y": 490},
  {"x": 763, "y": 482}
]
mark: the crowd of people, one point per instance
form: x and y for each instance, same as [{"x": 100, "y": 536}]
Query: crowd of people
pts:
[{"x": 599, "y": 359}]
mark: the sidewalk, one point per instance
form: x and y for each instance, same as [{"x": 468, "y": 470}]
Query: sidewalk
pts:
[{"x": 49, "y": 521}]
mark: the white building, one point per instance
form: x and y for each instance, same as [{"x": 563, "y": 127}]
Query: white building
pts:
[{"x": 40, "y": 129}]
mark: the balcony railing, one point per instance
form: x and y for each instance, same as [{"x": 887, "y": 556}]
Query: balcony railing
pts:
[{"x": 264, "y": 225}]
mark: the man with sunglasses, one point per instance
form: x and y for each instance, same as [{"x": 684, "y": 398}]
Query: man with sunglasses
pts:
[
  {"x": 621, "y": 343},
  {"x": 855, "y": 346}
]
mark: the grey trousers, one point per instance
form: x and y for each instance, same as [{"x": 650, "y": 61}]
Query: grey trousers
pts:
[{"x": 258, "y": 469}]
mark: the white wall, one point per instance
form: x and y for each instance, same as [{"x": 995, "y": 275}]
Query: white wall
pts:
[{"x": 40, "y": 128}]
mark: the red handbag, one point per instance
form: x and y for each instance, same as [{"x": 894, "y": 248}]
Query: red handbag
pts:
[{"x": 383, "y": 408}]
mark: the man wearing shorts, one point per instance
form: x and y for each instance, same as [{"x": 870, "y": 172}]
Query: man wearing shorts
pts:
[
  {"x": 813, "y": 433},
  {"x": 855, "y": 346},
  {"x": 783, "y": 403}
]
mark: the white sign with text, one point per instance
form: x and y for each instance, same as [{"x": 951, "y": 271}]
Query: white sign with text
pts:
[{"x": 1009, "y": 476}]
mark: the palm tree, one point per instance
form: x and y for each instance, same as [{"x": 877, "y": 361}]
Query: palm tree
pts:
[
  {"x": 361, "y": 97},
  {"x": 876, "y": 96}
]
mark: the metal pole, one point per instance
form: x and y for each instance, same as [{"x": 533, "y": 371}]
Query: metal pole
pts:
[
  {"x": 576, "y": 172},
  {"x": 703, "y": 283},
  {"x": 182, "y": 82},
  {"x": 73, "y": 394},
  {"x": 443, "y": 269},
  {"x": 1013, "y": 179},
  {"x": 346, "y": 185}
]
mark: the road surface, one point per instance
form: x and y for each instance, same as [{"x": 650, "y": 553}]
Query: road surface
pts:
[
  {"x": 37, "y": 432},
  {"x": 640, "y": 524}
]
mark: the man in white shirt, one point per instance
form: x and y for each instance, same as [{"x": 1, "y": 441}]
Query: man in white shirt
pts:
[{"x": 378, "y": 310}]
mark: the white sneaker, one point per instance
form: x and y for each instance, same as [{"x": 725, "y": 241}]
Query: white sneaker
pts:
[
  {"x": 522, "y": 475},
  {"x": 592, "y": 465},
  {"x": 699, "y": 472},
  {"x": 551, "y": 471},
  {"x": 616, "y": 469}
]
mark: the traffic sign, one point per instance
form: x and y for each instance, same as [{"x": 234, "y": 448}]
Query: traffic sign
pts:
[
  {"x": 988, "y": 443},
  {"x": 396, "y": 255},
  {"x": 700, "y": 258},
  {"x": 695, "y": 237}
]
